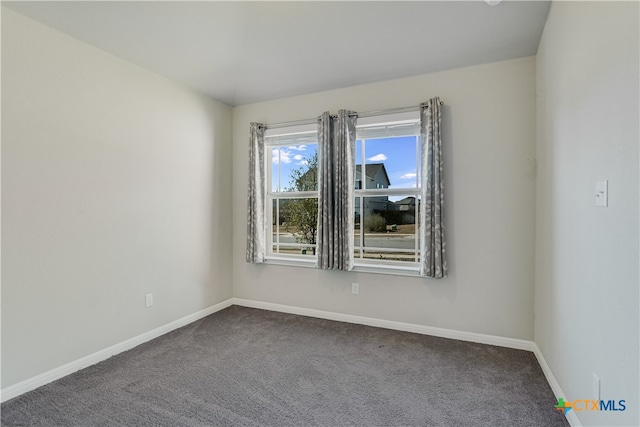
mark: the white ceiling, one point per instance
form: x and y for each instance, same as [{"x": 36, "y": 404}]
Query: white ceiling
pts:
[{"x": 243, "y": 52}]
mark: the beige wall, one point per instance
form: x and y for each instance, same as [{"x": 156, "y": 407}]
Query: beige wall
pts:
[
  {"x": 115, "y": 183},
  {"x": 586, "y": 307},
  {"x": 489, "y": 137}
]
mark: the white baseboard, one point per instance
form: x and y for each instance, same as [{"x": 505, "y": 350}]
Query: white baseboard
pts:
[
  {"x": 64, "y": 370},
  {"x": 571, "y": 416},
  {"x": 390, "y": 324}
]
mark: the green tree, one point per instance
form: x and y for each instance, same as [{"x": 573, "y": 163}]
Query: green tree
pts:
[
  {"x": 302, "y": 214},
  {"x": 305, "y": 178}
]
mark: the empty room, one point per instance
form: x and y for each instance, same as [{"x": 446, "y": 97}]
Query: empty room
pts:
[{"x": 372, "y": 213}]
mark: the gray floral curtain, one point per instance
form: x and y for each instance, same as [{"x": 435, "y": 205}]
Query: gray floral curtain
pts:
[
  {"x": 255, "y": 204},
  {"x": 336, "y": 147},
  {"x": 432, "y": 228}
]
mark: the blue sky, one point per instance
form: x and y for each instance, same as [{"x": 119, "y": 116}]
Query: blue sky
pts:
[
  {"x": 286, "y": 159},
  {"x": 397, "y": 154}
]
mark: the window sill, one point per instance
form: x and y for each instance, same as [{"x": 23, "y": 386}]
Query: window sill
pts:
[
  {"x": 389, "y": 270},
  {"x": 291, "y": 261},
  {"x": 386, "y": 269}
]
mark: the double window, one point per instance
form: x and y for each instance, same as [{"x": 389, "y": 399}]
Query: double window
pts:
[{"x": 386, "y": 192}]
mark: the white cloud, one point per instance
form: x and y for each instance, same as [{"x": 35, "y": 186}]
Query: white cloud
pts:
[
  {"x": 298, "y": 157},
  {"x": 298, "y": 147},
  {"x": 378, "y": 158},
  {"x": 408, "y": 176},
  {"x": 284, "y": 156}
]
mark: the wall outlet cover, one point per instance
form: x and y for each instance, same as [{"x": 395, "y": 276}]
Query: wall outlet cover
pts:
[{"x": 602, "y": 194}]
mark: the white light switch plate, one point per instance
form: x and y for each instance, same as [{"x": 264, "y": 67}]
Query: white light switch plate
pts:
[{"x": 602, "y": 196}]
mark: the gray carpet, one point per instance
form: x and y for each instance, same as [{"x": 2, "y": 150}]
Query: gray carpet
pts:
[{"x": 248, "y": 367}]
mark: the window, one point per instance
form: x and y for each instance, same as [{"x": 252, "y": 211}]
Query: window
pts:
[
  {"x": 387, "y": 208},
  {"x": 372, "y": 194},
  {"x": 386, "y": 193},
  {"x": 291, "y": 204}
]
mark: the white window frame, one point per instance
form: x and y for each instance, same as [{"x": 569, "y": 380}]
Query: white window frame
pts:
[
  {"x": 274, "y": 138},
  {"x": 380, "y": 124}
]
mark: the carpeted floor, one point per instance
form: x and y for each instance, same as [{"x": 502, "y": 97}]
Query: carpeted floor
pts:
[{"x": 248, "y": 367}]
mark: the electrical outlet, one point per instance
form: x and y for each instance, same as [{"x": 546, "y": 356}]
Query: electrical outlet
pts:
[
  {"x": 602, "y": 193},
  {"x": 596, "y": 387},
  {"x": 354, "y": 288},
  {"x": 148, "y": 300}
]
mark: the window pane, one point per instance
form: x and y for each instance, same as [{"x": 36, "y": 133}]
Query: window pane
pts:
[
  {"x": 389, "y": 163},
  {"x": 386, "y": 223},
  {"x": 294, "y": 168},
  {"x": 298, "y": 221},
  {"x": 392, "y": 162}
]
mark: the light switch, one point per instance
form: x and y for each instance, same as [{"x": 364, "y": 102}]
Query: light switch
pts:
[{"x": 602, "y": 197}]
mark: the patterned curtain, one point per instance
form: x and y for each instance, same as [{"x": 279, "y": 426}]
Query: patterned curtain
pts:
[
  {"x": 256, "y": 236},
  {"x": 432, "y": 229},
  {"x": 336, "y": 147}
]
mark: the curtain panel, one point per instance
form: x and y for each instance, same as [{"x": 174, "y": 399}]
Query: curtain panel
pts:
[
  {"x": 256, "y": 236},
  {"x": 432, "y": 227},
  {"x": 336, "y": 146}
]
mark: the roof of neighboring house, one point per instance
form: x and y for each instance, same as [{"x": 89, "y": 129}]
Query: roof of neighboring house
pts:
[
  {"x": 407, "y": 201},
  {"x": 372, "y": 169}
]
